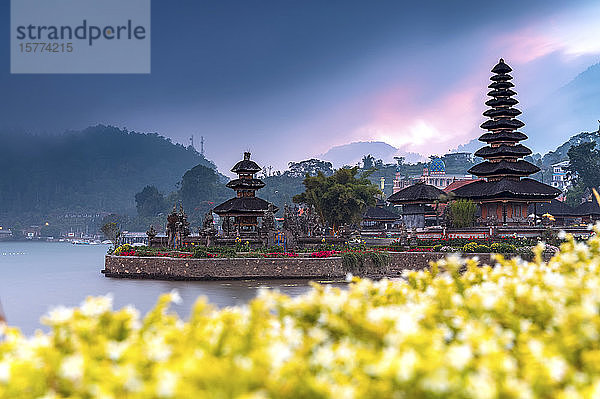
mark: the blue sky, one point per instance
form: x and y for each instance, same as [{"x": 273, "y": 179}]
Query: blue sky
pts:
[{"x": 290, "y": 79}]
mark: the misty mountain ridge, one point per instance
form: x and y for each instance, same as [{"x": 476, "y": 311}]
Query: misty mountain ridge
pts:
[
  {"x": 100, "y": 168},
  {"x": 351, "y": 154},
  {"x": 572, "y": 108}
]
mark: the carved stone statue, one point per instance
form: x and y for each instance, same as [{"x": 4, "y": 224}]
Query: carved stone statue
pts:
[
  {"x": 268, "y": 222},
  {"x": 287, "y": 217},
  {"x": 182, "y": 228},
  {"x": 172, "y": 220},
  {"x": 151, "y": 233},
  {"x": 208, "y": 227}
]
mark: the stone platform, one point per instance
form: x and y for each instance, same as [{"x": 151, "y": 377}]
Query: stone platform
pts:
[{"x": 164, "y": 268}]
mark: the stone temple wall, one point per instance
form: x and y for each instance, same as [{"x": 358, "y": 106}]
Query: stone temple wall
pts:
[{"x": 164, "y": 268}]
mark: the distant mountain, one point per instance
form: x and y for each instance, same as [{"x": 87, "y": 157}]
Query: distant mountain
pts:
[
  {"x": 471, "y": 146},
  {"x": 98, "y": 169},
  {"x": 574, "y": 107},
  {"x": 560, "y": 154},
  {"x": 352, "y": 154}
]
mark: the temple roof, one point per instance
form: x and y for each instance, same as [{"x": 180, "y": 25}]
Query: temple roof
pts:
[
  {"x": 501, "y": 93},
  {"x": 501, "y": 67},
  {"x": 501, "y": 85},
  {"x": 554, "y": 207},
  {"x": 518, "y": 150},
  {"x": 501, "y": 77},
  {"x": 246, "y": 165},
  {"x": 502, "y": 136},
  {"x": 501, "y": 102},
  {"x": 518, "y": 168},
  {"x": 526, "y": 189},
  {"x": 379, "y": 213},
  {"x": 417, "y": 193},
  {"x": 458, "y": 183},
  {"x": 502, "y": 124},
  {"x": 243, "y": 205},
  {"x": 246, "y": 184},
  {"x": 502, "y": 112},
  {"x": 587, "y": 208}
]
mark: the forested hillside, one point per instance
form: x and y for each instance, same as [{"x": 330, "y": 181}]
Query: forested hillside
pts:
[{"x": 98, "y": 169}]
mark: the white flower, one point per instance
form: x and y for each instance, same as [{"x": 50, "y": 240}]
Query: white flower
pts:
[
  {"x": 175, "y": 297},
  {"x": 459, "y": 356},
  {"x": 349, "y": 277},
  {"x": 167, "y": 382},
  {"x": 72, "y": 367},
  {"x": 557, "y": 368},
  {"x": 4, "y": 371},
  {"x": 115, "y": 349},
  {"x": 60, "y": 314},
  {"x": 95, "y": 306},
  {"x": 279, "y": 354},
  {"x": 157, "y": 349}
]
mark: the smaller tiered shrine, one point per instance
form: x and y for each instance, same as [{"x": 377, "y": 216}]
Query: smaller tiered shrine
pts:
[{"x": 240, "y": 215}]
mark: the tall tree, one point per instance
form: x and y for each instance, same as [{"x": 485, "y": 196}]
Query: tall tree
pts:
[
  {"x": 340, "y": 198},
  {"x": 463, "y": 213},
  {"x": 368, "y": 161},
  {"x": 584, "y": 164},
  {"x": 150, "y": 202},
  {"x": 200, "y": 189},
  {"x": 309, "y": 167}
]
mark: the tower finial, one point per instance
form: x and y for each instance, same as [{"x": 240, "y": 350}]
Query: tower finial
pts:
[
  {"x": 502, "y": 60},
  {"x": 247, "y": 156}
]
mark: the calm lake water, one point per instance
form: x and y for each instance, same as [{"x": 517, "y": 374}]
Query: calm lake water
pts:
[{"x": 37, "y": 276}]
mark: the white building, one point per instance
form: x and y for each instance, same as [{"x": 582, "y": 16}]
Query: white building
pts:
[{"x": 560, "y": 179}]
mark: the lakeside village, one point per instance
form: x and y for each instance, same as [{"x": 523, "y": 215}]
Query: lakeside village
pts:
[{"x": 498, "y": 209}]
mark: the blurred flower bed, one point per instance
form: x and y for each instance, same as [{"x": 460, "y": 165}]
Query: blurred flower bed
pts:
[{"x": 460, "y": 330}]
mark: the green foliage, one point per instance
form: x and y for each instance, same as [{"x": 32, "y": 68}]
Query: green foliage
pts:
[
  {"x": 211, "y": 252},
  {"x": 575, "y": 194},
  {"x": 201, "y": 190},
  {"x": 150, "y": 202},
  {"x": 482, "y": 249},
  {"x": 310, "y": 167},
  {"x": 281, "y": 189},
  {"x": 340, "y": 198},
  {"x": 437, "y": 247},
  {"x": 503, "y": 248},
  {"x": 98, "y": 169},
  {"x": 470, "y": 247},
  {"x": 584, "y": 163},
  {"x": 112, "y": 232},
  {"x": 462, "y": 213}
]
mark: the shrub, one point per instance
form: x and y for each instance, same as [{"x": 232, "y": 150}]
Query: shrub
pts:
[
  {"x": 462, "y": 212},
  {"x": 482, "y": 249},
  {"x": 503, "y": 248},
  {"x": 470, "y": 247},
  {"x": 437, "y": 248},
  {"x": 514, "y": 330}
]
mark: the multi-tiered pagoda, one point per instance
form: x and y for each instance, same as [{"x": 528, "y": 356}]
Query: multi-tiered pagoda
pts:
[
  {"x": 506, "y": 192},
  {"x": 240, "y": 214}
]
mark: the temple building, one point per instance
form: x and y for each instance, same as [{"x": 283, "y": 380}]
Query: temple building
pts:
[
  {"x": 506, "y": 192},
  {"x": 240, "y": 214},
  {"x": 417, "y": 201}
]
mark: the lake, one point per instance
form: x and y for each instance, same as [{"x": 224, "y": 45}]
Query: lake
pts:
[{"x": 37, "y": 276}]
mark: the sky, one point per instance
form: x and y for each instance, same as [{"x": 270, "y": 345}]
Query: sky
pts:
[{"x": 287, "y": 79}]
